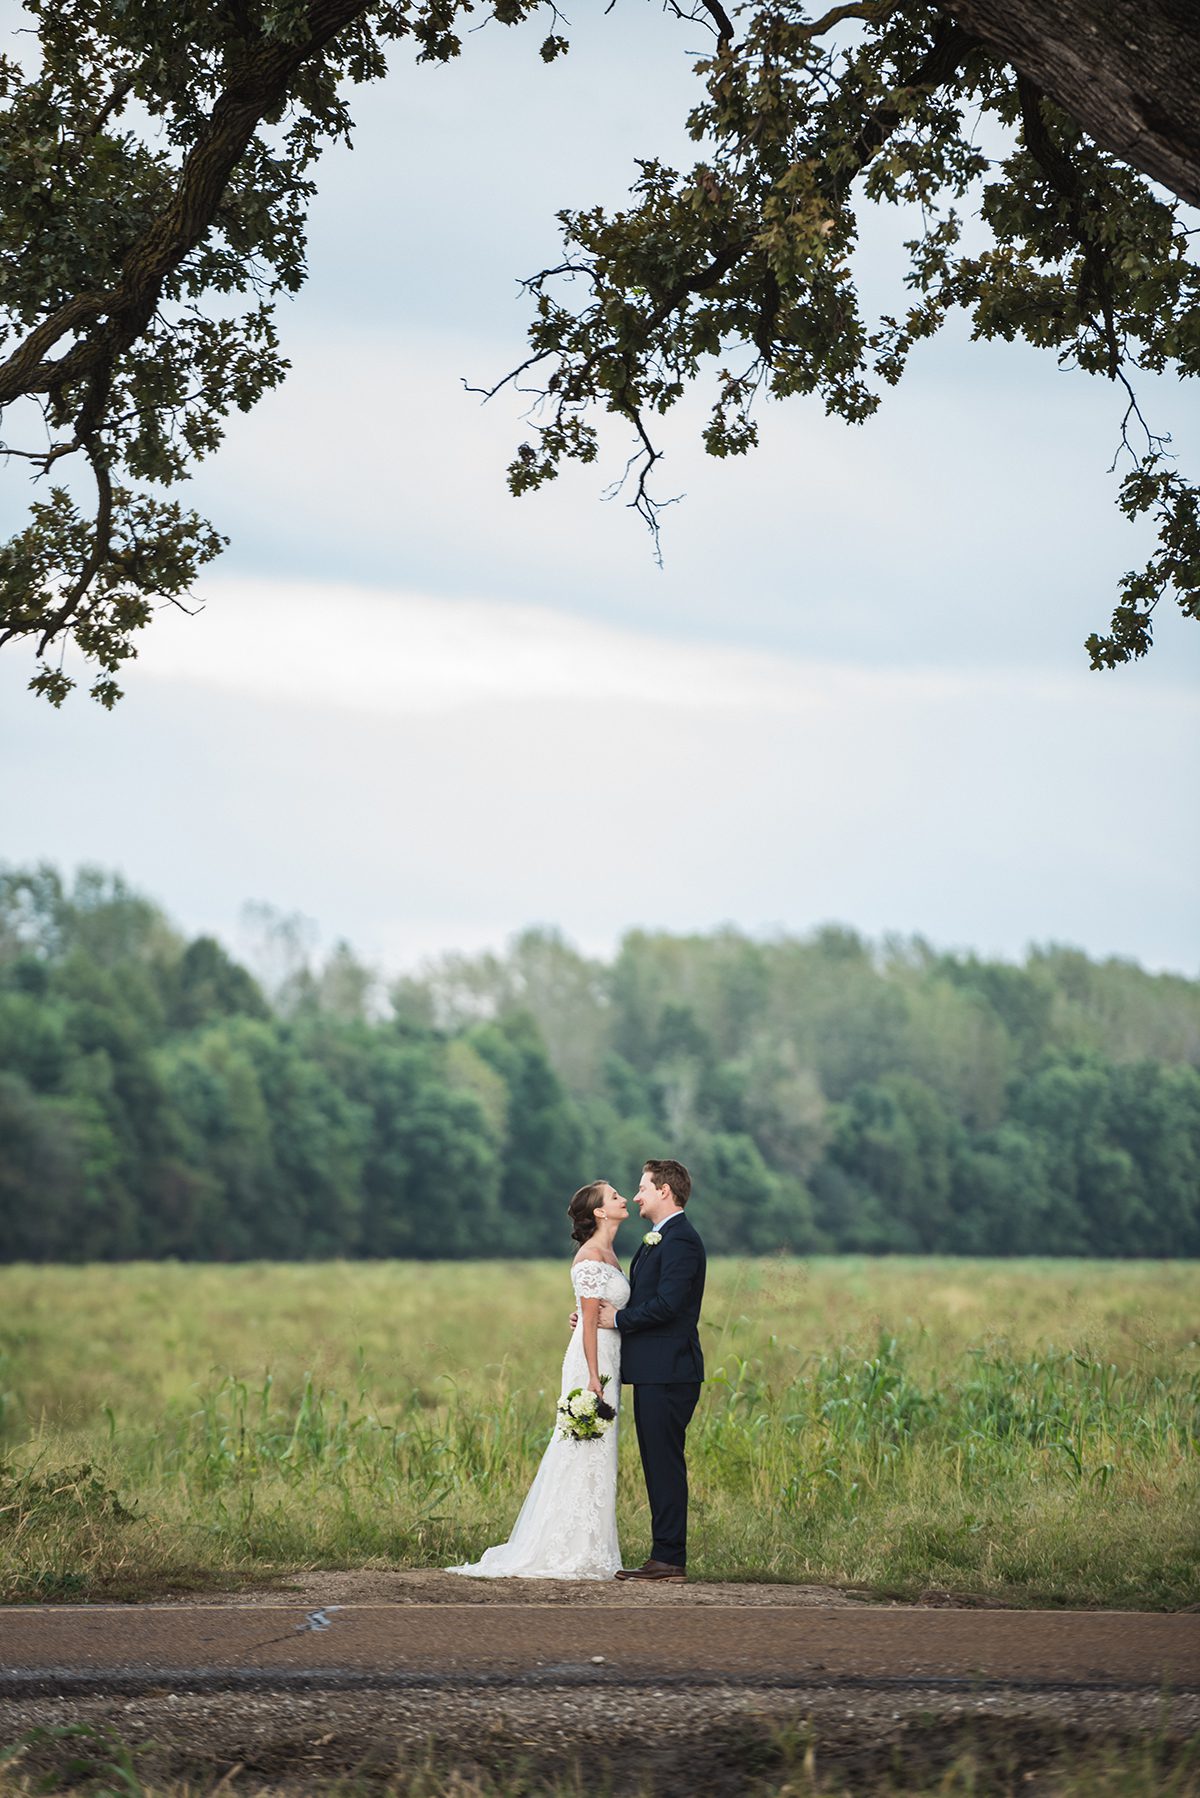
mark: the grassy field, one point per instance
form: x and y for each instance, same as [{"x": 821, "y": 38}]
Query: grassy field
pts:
[{"x": 1027, "y": 1430}]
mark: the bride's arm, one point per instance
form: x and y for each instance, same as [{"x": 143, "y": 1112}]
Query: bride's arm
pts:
[{"x": 589, "y": 1310}]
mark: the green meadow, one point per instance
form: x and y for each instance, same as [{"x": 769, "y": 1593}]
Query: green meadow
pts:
[{"x": 1024, "y": 1430}]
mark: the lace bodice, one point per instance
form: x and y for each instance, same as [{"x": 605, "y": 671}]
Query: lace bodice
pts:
[{"x": 599, "y": 1280}]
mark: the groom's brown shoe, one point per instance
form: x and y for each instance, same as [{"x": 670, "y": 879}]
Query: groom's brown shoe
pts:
[{"x": 661, "y": 1570}]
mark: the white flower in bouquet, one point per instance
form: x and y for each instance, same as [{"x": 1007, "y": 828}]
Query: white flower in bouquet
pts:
[{"x": 582, "y": 1416}]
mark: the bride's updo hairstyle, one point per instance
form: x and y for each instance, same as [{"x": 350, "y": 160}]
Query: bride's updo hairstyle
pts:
[{"x": 583, "y": 1207}]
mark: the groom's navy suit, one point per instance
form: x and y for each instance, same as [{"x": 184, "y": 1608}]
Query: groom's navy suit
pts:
[{"x": 661, "y": 1360}]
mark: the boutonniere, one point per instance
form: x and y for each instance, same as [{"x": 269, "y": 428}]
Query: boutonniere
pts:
[{"x": 651, "y": 1238}]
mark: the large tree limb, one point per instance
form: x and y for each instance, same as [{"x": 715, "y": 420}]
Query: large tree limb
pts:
[
  {"x": 1127, "y": 70},
  {"x": 262, "y": 83},
  {"x": 107, "y": 324}
]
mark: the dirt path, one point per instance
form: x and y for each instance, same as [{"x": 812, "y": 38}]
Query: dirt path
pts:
[
  {"x": 668, "y": 1692},
  {"x": 611, "y": 1634}
]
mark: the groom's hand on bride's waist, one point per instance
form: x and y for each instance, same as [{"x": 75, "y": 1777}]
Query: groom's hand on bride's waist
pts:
[{"x": 606, "y": 1316}]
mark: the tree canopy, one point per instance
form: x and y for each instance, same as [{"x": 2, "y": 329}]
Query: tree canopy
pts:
[
  {"x": 156, "y": 1098},
  {"x": 158, "y": 164}
]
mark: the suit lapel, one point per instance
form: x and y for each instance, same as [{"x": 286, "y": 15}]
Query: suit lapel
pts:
[
  {"x": 642, "y": 1250},
  {"x": 638, "y": 1254}
]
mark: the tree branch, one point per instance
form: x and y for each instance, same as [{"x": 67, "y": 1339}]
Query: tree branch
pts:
[
  {"x": 118, "y": 94},
  {"x": 96, "y": 558},
  {"x": 1127, "y": 70},
  {"x": 19, "y": 373},
  {"x": 715, "y": 11},
  {"x": 1063, "y": 177},
  {"x": 950, "y": 45},
  {"x": 871, "y": 14},
  {"x": 261, "y": 83}
]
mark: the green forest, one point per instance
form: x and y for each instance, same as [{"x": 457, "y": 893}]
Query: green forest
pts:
[{"x": 158, "y": 1098}]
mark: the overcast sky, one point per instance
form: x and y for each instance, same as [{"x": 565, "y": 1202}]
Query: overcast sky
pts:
[{"x": 425, "y": 714}]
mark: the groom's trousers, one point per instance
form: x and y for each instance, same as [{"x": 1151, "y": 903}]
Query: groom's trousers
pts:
[{"x": 661, "y": 1415}]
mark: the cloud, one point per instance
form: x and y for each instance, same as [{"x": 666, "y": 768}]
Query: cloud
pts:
[
  {"x": 398, "y": 654},
  {"x": 421, "y": 774},
  {"x": 948, "y": 530}
]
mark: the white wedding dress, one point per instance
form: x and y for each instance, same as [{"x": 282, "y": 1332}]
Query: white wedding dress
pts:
[{"x": 567, "y": 1527}]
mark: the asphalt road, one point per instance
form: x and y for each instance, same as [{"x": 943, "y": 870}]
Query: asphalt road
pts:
[{"x": 131, "y": 1648}]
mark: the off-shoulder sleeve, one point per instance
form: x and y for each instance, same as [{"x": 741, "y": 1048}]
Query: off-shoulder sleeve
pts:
[{"x": 590, "y": 1279}]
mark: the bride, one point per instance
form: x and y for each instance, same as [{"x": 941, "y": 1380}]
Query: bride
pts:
[{"x": 567, "y": 1527}]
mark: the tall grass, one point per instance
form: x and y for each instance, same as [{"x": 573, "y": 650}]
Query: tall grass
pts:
[{"x": 1027, "y": 1431}]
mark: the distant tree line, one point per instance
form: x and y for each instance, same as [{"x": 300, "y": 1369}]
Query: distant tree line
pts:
[{"x": 157, "y": 1098}]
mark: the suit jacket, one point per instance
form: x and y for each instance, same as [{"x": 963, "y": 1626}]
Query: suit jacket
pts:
[{"x": 660, "y": 1341}]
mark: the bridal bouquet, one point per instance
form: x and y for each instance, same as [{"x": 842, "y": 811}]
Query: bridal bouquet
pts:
[{"x": 582, "y": 1416}]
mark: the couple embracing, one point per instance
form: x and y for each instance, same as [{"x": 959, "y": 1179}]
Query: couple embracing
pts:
[{"x": 641, "y": 1332}]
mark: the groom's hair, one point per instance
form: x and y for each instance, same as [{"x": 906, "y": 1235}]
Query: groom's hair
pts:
[{"x": 672, "y": 1174}]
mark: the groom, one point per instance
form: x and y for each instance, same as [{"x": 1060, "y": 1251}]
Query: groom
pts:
[{"x": 661, "y": 1359}]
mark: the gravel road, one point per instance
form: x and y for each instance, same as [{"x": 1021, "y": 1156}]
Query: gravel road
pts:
[{"x": 677, "y": 1690}]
